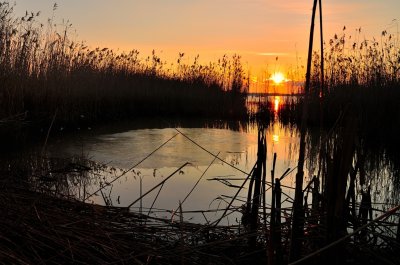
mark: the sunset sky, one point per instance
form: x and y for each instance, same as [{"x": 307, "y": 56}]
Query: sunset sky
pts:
[{"x": 258, "y": 30}]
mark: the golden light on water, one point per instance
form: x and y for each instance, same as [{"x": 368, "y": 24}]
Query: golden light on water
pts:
[
  {"x": 276, "y": 103},
  {"x": 276, "y": 127}
]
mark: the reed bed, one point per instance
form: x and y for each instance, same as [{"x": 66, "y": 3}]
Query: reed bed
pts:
[
  {"x": 45, "y": 221},
  {"x": 44, "y": 73},
  {"x": 357, "y": 71},
  {"x": 362, "y": 76},
  {"x": 365, "y": 73},
  {"x": 36, "y": 228}
]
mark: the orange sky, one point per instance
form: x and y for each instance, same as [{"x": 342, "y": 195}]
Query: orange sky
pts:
[{"x": 258, "y": 30}]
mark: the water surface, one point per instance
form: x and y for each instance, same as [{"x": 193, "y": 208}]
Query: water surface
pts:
[
  {"x": 137, "y": 158},
  {"x": 212, "y": 187}
]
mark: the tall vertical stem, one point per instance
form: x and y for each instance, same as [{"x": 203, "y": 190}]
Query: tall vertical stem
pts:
[
  {"x": 322, "y": 89},
  {"x": 257, "y": 175},
  {"x": 322, "y": 86},
  {"x": 272, "y": 243},
  {"x": 310, "y": 48},
  {"x": 298, "y": 211}
]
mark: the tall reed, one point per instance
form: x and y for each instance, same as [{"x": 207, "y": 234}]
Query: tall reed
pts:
[{"x": 43, "y": 71}]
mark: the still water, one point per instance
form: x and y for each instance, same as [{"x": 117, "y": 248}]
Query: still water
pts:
[
  {"x": 213, "y": 181},
  {"x": 131, "y": 159}
]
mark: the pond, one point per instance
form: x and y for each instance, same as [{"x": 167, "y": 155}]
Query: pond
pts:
[
  {"x": 198, "y": 165},
  {"x": 135, "y": 160},
  {"x": 204, "y": 187}
]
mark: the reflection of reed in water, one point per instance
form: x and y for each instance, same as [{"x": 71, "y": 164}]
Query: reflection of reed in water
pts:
[
  {"x": 61, "y": 177},
  {"x": 354, "y": 190}
]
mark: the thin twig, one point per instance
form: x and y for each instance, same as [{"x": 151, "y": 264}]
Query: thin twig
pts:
[
  {"x": 159, "y": 184},
  {"x": 137, "y": 164}
]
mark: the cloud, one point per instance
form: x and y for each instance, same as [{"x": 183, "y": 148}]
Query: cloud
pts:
[{"x": 272, "y": 53}]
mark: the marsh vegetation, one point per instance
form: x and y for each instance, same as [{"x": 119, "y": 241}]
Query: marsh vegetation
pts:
[
  {"x": 45, "y": 73},
  {"x": 347, "y": 122}
]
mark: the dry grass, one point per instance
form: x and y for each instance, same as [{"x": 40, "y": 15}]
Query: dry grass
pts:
[{"x": 53, "y": 227}]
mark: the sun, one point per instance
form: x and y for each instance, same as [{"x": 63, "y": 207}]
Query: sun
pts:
[{"x": 278, "y": 78}]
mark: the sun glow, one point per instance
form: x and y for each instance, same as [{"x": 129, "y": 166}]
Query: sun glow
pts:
[{"x": 278, "y": 78}]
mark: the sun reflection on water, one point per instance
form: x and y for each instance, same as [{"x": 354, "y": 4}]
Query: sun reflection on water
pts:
[{"x": 276, "y": 103}]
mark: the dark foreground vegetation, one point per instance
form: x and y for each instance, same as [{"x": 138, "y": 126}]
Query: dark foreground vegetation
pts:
[{"x": 38, "y": 229}]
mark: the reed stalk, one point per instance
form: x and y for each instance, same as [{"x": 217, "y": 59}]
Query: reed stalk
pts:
[{"x": 298, "y": 212}]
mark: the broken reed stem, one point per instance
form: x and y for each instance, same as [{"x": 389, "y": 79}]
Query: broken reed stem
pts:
[
  {"x": 140, "y": 194},
  {"x": 255, "y": 199},
  {"x": 181, "y": 234},
  {"x": 272, "y": 244},
  {"x": 278, "y": 231},
  {"x": 207, "y": 151},
  {"x": 329, "y": 246},
  {"x": 137, "y": 164},
  {"x": 264, "y": 187},
  {"x": 159, "y": 184},
  {"x": 48, "y": 132},
  {"x": 195, "y": 185},
  {"x": 155, "y": 199},
  {"x": 234, "y": 197}
]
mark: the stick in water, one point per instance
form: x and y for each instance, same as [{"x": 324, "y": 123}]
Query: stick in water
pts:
[{"x": 159, "y": 184}]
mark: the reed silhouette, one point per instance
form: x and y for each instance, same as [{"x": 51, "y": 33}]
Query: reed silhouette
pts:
[{"x": 43, "y": 72}]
